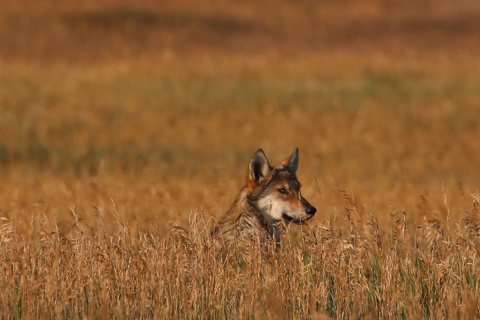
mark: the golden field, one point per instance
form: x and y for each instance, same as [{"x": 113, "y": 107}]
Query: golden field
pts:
[{"x": 126, "y": 129}]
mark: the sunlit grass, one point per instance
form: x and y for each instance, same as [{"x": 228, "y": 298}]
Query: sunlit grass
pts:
[{"x": 338, "y": 269}]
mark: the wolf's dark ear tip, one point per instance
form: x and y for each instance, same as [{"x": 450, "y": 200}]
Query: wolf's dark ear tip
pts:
[{"x": 259, "y": 152}]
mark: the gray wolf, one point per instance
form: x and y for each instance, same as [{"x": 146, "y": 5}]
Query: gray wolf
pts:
[{"x": 270, "y": 198}]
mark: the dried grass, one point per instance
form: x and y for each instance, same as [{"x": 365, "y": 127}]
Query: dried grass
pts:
[{"x": 334, "y": 271}]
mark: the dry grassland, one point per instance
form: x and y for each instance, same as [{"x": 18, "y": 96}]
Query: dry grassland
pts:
[{"x": 126, "y": 130}]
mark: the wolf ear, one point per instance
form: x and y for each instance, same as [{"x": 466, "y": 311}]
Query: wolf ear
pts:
[
  {"x": 259, "y": 167},
  {"x": 292, "y": 161}
]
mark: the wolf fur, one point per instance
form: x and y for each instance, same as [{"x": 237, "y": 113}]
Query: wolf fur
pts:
[{"x": 270, "y": 198}]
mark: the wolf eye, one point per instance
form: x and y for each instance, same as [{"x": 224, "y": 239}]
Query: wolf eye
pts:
[{"x": 283, "y": 190}]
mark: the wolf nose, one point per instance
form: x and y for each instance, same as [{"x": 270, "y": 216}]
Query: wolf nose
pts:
[{"x": 311, "y": 210}]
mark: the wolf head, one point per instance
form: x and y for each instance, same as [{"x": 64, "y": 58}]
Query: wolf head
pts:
[{"x": 275, "y": 191}]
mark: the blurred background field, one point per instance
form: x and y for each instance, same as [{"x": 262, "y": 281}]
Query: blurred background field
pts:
[{"x": 159, "y": 106}]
